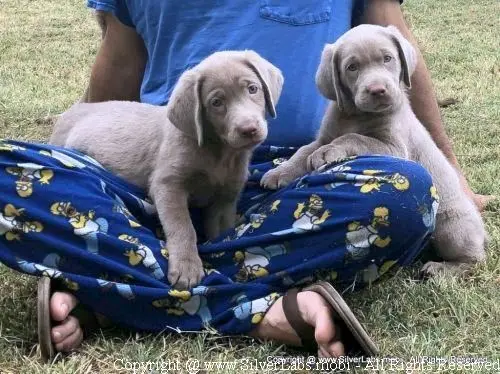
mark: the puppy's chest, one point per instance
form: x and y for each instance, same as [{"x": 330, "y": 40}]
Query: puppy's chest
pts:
[{"x": 207, "y": 185}]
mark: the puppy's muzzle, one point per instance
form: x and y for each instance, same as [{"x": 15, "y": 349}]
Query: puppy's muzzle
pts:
[
  {"x": 376, "y": 90},
  {"x": 248, "y": 129},
  {"x": 376, "y": 96},
  {"x": 250, "y": 132}
]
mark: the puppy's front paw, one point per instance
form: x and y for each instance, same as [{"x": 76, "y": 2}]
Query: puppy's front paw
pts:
[
  {"x": 185, "y": 272},
  {"x": 431, "y": 269},
  {"x": 277, "y": 178},
  {"x": 325, "y": 155}
]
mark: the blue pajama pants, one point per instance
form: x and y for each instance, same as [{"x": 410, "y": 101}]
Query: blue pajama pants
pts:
[{"x": 63, "y": 215}]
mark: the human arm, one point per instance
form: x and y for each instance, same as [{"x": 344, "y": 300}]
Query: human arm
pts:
[{"x": 119, "y": 65}]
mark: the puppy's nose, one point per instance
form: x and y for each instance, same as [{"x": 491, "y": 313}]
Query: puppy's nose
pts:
[
  {"x": 376, "y": 89},
  {"x": 248, "y": 130}
]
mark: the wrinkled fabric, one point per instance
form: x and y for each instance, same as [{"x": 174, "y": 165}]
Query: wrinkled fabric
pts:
[{"x": 65, "y": 216}]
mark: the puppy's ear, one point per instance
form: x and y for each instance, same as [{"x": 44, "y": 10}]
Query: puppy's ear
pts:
[
  {"x": 328, "y": 76},
  {"x": 184, "y": 109},
  {"x": 407, "y": 54},
  {"x": 270, "y": 77},
  {"x": 324, "y": 74}
]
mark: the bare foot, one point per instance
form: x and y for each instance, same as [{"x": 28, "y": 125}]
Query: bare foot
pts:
[
  {"x": 315, "y": 311},
  {"x": 482, "y": 201},
  {"x": 67, "y": 335}
]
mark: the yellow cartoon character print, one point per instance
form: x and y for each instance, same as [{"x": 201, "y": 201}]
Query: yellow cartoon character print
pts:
[
  {"x": 360, "y": 238},
  {"x": 253, "y": 261},
  {"x": 85, "y": 225},
  {"x": 429, "y": 215},
  {"x": 39, "y": 269},
  {"x": 7, "y": 147},
  {"x": 374, "y": 272},
  {"x": 192, "y": 302},
  {"x": 12, "y": 226},
  {"x": 310, "y": 215},
  {"x": 399, "y": 181},
  {"x": 142, "y": 254},
  {"x": 369, "y": 181},
  {"x": 255, "y": 309},
  {"x": 164, "y": 249},
  {"x": 256, "y": 220},
  {"x": 28, "y": 173},
  {"x": 274, "y": 206},
  {"x": 121, "y": 208}
]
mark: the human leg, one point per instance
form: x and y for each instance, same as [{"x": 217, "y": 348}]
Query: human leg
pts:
[{"x": 341, "y": 225}]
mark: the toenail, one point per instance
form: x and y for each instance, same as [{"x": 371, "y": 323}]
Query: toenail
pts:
[
  {"x": 64, "y": 307},
  {"x": 57, "y": 335}
]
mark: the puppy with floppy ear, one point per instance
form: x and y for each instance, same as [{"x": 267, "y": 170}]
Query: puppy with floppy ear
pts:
[
  {"x": 193, "y": 152},
  {"x": 366, "y": 74},
  {"x": 406, "y": 52},
  {"x": 328, "y": 78},
  {"x": 270, "y": 77},
  {"x": 328, "y": 75},
  {"x": 184, "y": 107}
]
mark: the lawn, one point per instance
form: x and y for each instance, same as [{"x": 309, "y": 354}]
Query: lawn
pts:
[{"x": 46, "y": 48}]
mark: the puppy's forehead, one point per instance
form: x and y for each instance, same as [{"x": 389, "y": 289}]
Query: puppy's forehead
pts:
[
  {"x": 366, "y": 44},
  {"x": 225, "y": 74}
]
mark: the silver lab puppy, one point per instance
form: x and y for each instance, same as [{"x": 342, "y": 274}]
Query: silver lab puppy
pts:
[
  {"x": 194, "y": 151},
  {"x": 366, "y": 74}
]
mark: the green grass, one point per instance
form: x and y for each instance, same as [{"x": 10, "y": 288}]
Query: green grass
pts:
[{"x": 46, "y": 49}]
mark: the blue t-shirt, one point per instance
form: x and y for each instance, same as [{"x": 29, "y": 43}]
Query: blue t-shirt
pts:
[{"x": 289, "y": 33}]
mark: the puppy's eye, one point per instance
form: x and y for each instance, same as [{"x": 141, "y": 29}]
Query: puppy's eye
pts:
[
  {"x": 216, "y": 102},
  {"x": 387, "y": 58},
  {"x": 252, "y": 89},
  {"x": 352, "y": 67}
]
